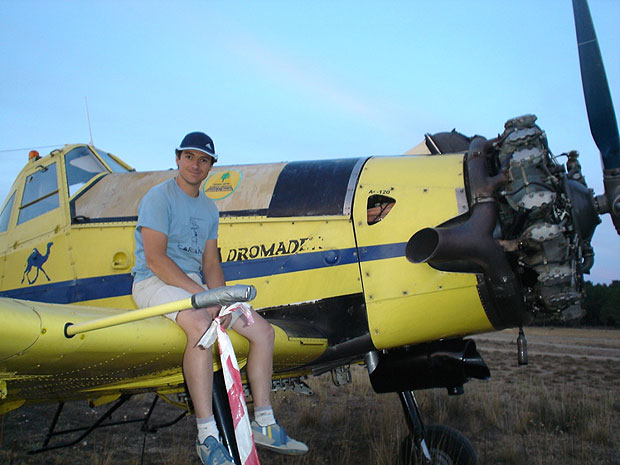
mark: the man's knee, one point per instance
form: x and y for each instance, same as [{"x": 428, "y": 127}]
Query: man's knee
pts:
[
  {"x": 194, "y": 323},
  {"x": 267, "y": 334}
]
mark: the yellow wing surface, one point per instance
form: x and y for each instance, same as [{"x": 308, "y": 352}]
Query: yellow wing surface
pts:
[{"x": 39, "y": 363}]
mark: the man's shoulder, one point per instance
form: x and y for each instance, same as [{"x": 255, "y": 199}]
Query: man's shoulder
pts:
[
  {"x": 156, "y": 198},
  {"x": 162, "y": 189},
  {"x": 166, "y": 185}
]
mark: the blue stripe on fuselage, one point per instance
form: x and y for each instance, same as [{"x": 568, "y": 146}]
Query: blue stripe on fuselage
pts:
[
  {"x": 119, "y": 285},
  {"x": 78, "y": 290}
]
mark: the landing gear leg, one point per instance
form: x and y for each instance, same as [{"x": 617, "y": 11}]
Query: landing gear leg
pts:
[
  {"x": 223, "y": 417},
  {"x": 432, "y": 445},
  {"x": 416, "y": 429}
]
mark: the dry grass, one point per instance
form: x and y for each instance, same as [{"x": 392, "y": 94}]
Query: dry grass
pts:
[{"x": 562, "y": 408}]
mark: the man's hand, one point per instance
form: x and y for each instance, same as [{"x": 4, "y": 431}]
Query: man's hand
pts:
[{"x": 224, "y": 320}]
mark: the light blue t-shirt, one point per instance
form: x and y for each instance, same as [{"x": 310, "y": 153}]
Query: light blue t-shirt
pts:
[{"x": 187, "y": 221}]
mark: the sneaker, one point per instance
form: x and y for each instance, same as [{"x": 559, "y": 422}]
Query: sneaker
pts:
[
  {"x": 273, "y": 437},
  {"x": 213, "y": 452}
]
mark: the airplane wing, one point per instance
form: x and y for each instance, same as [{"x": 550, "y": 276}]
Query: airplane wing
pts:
[{"x": 39, "y": 362}]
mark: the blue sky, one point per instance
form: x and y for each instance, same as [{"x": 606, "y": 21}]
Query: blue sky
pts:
[{"x": 290, "y": 80}]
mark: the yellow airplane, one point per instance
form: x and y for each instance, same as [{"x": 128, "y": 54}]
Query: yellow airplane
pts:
[{"x": 386, "y": 261}]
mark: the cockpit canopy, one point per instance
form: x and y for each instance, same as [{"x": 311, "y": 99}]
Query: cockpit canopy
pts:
[
  {"x": 82, "y": 165},
  {"x": 42, "y": 186}
]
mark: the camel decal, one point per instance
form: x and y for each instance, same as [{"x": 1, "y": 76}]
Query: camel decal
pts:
[{"x": 36, "y": 260}]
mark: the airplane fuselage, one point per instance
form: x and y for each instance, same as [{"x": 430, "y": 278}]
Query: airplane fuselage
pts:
[{"x": 302, "y": 233}]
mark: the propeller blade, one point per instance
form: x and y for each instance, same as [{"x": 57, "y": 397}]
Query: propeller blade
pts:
[{"x": 601, "y": 115}]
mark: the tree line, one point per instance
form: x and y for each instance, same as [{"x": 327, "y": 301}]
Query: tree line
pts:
[{"x": 602, "y": 304}]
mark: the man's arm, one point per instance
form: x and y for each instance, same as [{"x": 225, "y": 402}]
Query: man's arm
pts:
[
  {"x": 155, "y": 244},
  {"x": 211, "y": 266},
  {"x": 214, "y": 275}
]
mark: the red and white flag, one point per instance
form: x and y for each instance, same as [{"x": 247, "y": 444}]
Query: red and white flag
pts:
[{"x": 232, "y": 379}]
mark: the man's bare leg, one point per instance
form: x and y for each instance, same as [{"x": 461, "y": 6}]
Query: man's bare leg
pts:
[
  {"x": 197, "y": 362},
  {"x": 261, "y": 336},
  {"x": 267, "y": 432}
]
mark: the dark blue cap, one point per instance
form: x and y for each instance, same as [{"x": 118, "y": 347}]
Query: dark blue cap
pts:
[{"x": 198, "y": 141}]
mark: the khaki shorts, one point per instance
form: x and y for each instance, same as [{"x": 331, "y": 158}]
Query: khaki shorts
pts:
[{"x": 153, "y": 291}]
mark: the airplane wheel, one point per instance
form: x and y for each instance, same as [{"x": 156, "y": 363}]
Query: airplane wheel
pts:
[{"x": 446, "y": 445}]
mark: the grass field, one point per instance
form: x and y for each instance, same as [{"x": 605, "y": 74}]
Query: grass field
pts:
[{"x": 562, "y": 408}]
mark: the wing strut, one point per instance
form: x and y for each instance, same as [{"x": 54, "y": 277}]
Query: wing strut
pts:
[
  {"x": 99, "y": 423},
  {"x": 225, "y": 295}
]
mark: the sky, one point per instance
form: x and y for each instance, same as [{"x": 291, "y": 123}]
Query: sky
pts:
[{"x": 275, "y": 81}]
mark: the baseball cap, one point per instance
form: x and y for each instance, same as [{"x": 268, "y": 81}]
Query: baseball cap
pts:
[{"x": 198, "y": 141}]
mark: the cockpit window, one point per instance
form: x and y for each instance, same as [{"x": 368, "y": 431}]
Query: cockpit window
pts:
[
  {"x": 115, "y": 166},
  {"x": 40, "y": 193},
  {"x": 81, "y": 165},
  {"x": 378, "y": 207},
  {"x": 6, "y": 214}
]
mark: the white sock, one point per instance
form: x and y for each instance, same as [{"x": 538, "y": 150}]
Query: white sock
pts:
[
  {"x": 264, "y": 415},
  {"x": 207, "y": 427}
]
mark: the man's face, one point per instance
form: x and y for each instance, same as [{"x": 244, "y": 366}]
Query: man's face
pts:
[{"x": 194, "y": 166}]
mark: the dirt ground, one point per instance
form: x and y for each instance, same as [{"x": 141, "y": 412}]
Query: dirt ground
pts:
[{"x": 351, "y": 424}]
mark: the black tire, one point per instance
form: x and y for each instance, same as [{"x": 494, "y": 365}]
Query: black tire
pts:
[{"x": 446, "y": 445}]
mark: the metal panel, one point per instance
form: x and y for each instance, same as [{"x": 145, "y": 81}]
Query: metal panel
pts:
[{"x": 315, "y": 188}]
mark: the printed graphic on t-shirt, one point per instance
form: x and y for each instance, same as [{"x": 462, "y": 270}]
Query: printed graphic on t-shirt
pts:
[{"x": 193, "y": 246}]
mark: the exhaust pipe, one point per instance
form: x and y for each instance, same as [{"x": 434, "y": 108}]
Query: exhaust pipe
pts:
[{"x": 470, "y": 247}]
